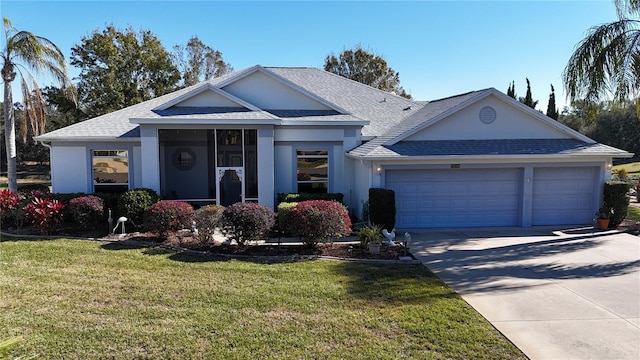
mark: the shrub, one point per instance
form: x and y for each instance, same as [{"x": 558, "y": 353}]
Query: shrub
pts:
[
  {"x": 208, "y": 219},
  {"x": 30, "y": 188},
  {"x": 616, "y": 195},
  {"x": 134, "y": 203},
  {"x": 44, "y": 213},
  {"x": 382, "y": 207},
  {"x": 9, "y": 201},
  {"x": 295, "y": 197},
  {"x": 10, "y": 208},
  {"x": 244, "y": 222},
  {"x": 84, "y": 209},
  {"x": 168, "y": 215},
  {"x": 319, "y": 220},
  {"x": 284, "y": 209}
]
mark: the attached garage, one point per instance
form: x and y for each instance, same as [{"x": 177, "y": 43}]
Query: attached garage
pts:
[
  {"x": 456, "y": 197},
  {"x": 564, "y": 195},
  {"x": 484, "y": 159}
]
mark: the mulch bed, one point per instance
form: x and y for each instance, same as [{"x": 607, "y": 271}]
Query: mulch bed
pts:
[{"x": 183, "y": 239}]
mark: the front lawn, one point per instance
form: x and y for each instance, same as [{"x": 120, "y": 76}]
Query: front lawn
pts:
[{"x": 88, "y": 300}]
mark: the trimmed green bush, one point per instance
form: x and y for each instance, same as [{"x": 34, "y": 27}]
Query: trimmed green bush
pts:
[
  {"x": 134, "y": 203},
  {"x": 168, "y": 215},
  {"x": 616, "y": 195},
  {"x": 85, "y": 209},
  {"x": 283, "y": 215},
  {"x": 245, "y": 222},
  {"x": 382, "y": 207},
  {"x": 208, "y": 219},
  {"x": 295, "y": 197},
  {"x": 316, "y": 221}
]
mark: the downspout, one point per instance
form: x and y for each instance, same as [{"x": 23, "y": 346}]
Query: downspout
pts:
[{"x": 48, "y": 146}]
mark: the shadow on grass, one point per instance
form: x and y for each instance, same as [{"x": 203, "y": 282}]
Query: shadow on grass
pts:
[{"x": 393, "y": 284}]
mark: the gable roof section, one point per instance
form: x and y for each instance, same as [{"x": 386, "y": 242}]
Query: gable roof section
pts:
[
  {"x": 382, "y": 109},
  {"x": 391, "y": 144},
  {"x": 429, "y": 111}
]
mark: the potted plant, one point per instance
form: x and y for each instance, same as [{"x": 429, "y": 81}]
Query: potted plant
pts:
[
  {"x": 603, "y": 215},
  {"x": 371, "y": 237}
]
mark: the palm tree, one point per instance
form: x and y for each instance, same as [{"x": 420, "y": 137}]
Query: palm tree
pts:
[
  {"x": 607, "y": 62},
  {"x": 23, "y": 51}
]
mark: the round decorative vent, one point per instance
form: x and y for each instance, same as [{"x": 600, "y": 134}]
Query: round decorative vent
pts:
[{"x": 487, "y": 114}]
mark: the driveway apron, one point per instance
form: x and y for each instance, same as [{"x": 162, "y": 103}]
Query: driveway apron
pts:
[{"x": 556, "y": 294}]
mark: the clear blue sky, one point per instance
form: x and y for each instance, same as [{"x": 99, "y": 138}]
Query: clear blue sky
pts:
[{"x": 440, "y": 48}]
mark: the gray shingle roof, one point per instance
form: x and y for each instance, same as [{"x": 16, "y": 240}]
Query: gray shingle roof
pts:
[
  {"x": 498, "y": 147},
  {"x": 382, "y": 109},
  {"x": 428, "y": 111}
]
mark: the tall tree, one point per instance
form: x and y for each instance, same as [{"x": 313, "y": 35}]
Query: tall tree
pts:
[
  {"x": 120, "y": 69},
  {"x": 25, "y": 51},
  {"x": 528, "y": 98},
  {"x": 511, "y": 91},
  {"x": 607, "y": 61},
  {"x": 366, "y": 68},
  {"x": 199, "y": 62},
  {"x": 552, "y": 109}
]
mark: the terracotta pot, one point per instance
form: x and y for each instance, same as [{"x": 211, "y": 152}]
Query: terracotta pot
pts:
[{"x": 603, "y": 224}]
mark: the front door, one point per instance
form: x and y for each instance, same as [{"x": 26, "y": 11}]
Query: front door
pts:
[{"x": 231, "y": 185}]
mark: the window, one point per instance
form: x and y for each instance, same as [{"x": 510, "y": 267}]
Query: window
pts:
[
  {"x": 110, "y": 170},
  {"x": 313, "y": 171},
  {"x": 184, "y": 159}
]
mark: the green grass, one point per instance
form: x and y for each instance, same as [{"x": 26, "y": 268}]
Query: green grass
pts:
[
  {"x": 633, "y": 213},
  {"x": 631, "y": 168},
  {"x": 87, "y": 300}
]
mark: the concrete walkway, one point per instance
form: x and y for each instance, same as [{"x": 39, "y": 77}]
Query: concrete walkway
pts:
[{"x": 570, "y": 294}]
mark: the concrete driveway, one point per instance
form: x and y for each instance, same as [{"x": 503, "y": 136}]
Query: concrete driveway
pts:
[{"x": 556, "y": 294}]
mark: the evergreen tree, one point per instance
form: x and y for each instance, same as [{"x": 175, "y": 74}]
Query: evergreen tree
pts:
[
  {"x": 552, "y": 110},
  {"x": 511, "y": 91},
  {"x": 528, "y": 99}
]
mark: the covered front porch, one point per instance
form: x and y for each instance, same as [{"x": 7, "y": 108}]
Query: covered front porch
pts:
[{"x": 221, "y": 165}]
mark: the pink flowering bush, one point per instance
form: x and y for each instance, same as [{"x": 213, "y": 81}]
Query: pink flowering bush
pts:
[
  {"x": 316, "y": 221},
  {"x": 167, "y": 215},
  {"x": 244, "y": 222},
  {"x": 44, "y": 213},
  {"x": 85, "y": 209}
]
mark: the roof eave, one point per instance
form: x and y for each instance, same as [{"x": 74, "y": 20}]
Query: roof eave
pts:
[
  {"x": 491, "y": 157},
  {"x": 190, "y": 121},
  {"x": 87, "y": 139},
  {"x": 326, "y": 122}
]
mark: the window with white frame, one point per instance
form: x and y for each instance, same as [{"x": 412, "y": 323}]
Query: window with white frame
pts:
[
  {"x": 312, "y": 171},
  {"x": 110, "y": 170}
]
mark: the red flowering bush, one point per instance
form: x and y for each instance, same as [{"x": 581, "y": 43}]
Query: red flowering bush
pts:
[
  {"x": 84, "y": 209},
  {"x": 244, "y": 222},
  {"x": 44, "y": 213},
  {"x": 168, "y": 215},
  {"x": 10, "y": 208},
  {"x": 8, "y": 201},
  {"x": 207, "y": 219},
  {"x": 319, "y": 220}
]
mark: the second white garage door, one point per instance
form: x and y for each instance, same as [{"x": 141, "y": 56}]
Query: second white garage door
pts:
[{"x": 456, "y": 197}]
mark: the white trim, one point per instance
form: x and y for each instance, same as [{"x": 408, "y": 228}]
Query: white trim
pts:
[{"x": 490, "y": 158}]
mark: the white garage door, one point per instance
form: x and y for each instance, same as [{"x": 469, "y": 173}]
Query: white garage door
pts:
[
  {"x": 456, "y": 197},
  {"x": 563, "y": 195}
]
